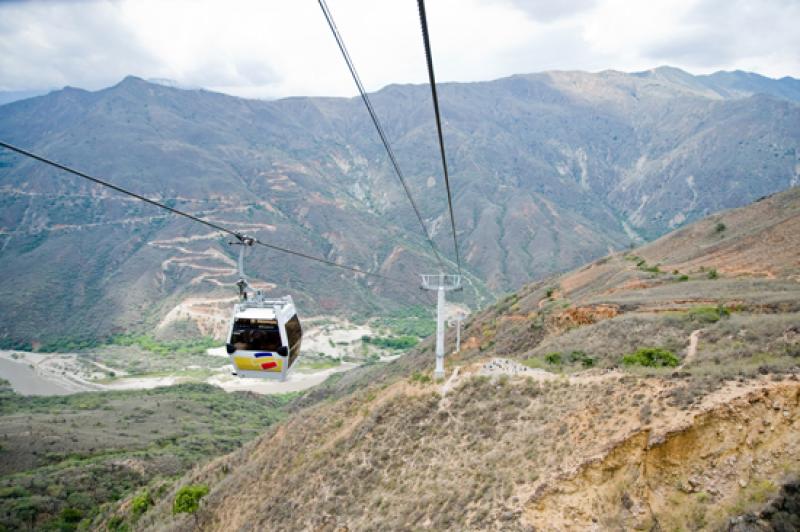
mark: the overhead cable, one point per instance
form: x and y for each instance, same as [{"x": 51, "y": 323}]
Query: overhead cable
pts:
[
  {"x": 432, "y": 78},
  {"x": 239, "y": 236},
  {"x": 365, "y": 97}
]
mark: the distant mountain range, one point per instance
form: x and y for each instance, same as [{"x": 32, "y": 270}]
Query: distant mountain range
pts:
[{"x": 549, "y": 171}]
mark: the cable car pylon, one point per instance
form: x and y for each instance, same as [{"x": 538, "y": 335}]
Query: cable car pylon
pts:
[
  {"x": 441, "y": 283},
  {"x": 456, "y": 322}
]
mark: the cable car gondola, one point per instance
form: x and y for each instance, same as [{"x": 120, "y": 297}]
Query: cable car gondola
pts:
[{"x": 265, "y": 334}]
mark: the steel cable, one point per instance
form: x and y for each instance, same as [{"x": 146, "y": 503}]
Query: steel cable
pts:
[
  {"x": 432, "y": 78},
  {"x": 381, "y": 133}
]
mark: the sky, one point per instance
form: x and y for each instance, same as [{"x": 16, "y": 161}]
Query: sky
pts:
[{"x": 279, "y": 48}]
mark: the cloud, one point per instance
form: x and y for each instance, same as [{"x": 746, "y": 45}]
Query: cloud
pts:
[
  {"x": 276, "y": 48},
  {"x": 548, "y": 10},
  {"x": 47, "y": 44},
  {"x": 758, "y": 36}
]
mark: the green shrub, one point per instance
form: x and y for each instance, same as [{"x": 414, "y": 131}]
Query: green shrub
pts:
[
  {"x": 708, "y": 314},
  {"x": 71, "y": 515},
  {"x": 553, "y": 358},
  {"x": 720, "y": 227},
  {"x": 188, "y": 498},
  {"x": 580, "y": 357},
  {"x": 116, "y": 523},
  {"x": 393, "y": 342},
  {"x": 13, "y": 492},
  {"x": 421, "y": 378},
  {"x": 712, "y": 274},
  {"x": 651, "y": 357},
  {"x": 683, "y": 278},
  {"x": 141, "y": 503},
  {"x": 642, "y": 265}
]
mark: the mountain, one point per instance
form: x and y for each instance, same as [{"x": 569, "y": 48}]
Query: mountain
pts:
[
  {"x": 625, "y": 394},
  {"x": 722, "y": 84},
  {"x": 549, "y": 171},
  {"x": 13, "y": 96}
]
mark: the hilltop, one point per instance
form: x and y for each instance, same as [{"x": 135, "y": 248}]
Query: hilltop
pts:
[
  {"x": 653, "y": 388},
  {"x": 550, "y": 171}
]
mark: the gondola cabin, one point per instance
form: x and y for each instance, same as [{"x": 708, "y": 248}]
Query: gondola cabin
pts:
[{"x": 264, "y": 338}]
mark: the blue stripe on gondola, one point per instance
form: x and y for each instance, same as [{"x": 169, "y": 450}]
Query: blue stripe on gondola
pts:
[{"x": 259, "y": 355}]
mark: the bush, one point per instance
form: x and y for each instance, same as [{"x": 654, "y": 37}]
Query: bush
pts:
[
  {"x": 708, "y": 314},
  {"x": 720, "y": 227},
  {"x": 141, "y": 503},
  {"x": 553, "y": 358},
  {"x": 392, "y": 342},
  {"x": 683, "y": 278},
  {"x": 579, "y": 356},
  {"x": 651, "y": 357},
  {"x": 188, "y": 498},
  {"x": 712, "y": 274},
  {"x": 13, "y": 492},
  {"x": 71, "y": 515},
  {"x": 116, "y": 523},
  {"x": 421, "y": 378},
  {"x": 642, "y": 265}
]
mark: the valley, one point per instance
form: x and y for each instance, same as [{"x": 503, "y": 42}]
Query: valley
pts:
[{"x": 330, "y": 345}]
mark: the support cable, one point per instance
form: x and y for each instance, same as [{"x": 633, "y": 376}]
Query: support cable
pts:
[
  {"x": 368, "y": 103},
  {"x": 239, "y": 236},
  {"x": 432, "y": 78}
]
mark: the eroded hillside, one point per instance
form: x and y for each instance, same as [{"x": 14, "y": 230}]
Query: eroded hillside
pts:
[{"x": 550, "y": 418}]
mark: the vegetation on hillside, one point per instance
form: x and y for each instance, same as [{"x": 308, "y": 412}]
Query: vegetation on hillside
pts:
[
  {"x": 64, "y": 457},
  {"x": 413, "y": 321},
  {"x": 651, "y": 357}
]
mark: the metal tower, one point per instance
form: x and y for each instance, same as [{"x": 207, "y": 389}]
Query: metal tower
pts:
[
  {"x": 441, "y": 283},
  {"x": 455, "y": 321}
]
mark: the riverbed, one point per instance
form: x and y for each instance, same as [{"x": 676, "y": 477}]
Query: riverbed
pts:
[{"x": 26, "y": 381}]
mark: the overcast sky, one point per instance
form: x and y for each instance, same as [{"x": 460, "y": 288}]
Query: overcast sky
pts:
[{"x": 276, "y": 48}]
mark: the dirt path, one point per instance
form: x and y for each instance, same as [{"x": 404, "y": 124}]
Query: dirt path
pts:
[
  {"x": 692, "y": 351},
  {"x": 449, "y": 383}
]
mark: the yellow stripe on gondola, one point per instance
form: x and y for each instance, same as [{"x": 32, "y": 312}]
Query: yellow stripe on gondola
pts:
[{"x": 258, "y": 364}]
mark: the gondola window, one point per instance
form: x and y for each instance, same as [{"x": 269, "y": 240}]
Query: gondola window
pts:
[{"x": 256, "y": 335}]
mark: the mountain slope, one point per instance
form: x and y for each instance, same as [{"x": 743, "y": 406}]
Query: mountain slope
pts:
[
  {"x": 540, "y": 424},
  {"x": 549, "y": 171}
]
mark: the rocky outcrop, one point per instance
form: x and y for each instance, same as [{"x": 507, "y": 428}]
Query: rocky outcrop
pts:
[{"x": 732, "y": 457}]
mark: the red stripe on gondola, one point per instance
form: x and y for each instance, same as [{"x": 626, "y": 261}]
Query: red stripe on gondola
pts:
[{"x": 268, "y": 365}]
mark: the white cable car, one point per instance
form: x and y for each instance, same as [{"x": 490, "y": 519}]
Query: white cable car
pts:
[{"x": 265, "y": 334}]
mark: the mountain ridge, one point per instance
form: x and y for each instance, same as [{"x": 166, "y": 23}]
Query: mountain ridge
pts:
[
  {"x": 766, "y": 84},
  {"x": 549, "y": 171}
]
